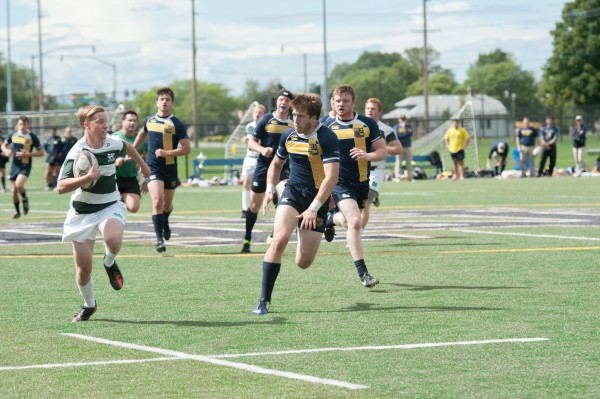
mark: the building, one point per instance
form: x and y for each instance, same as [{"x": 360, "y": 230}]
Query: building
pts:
[{"x": 491, "y": 116}]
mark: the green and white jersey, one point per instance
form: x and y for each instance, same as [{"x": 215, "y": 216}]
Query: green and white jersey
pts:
[{"x": 104, "y": 193}]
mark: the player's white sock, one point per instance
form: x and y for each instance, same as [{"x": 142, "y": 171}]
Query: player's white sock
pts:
[
  {"x": 109, "y": 258},
  {"x": 87, "y": 292},
  {"x": 245, "y": 199}
]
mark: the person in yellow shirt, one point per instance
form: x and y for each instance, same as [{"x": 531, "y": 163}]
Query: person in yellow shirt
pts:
[{"x": 457, "y": 139}]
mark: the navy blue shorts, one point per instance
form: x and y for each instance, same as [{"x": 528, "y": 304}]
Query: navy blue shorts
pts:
[
  {"x": 168, "y": 175},
  {"x": 3, "y": 161},
  {"x": 15, "y": 171},
  {"x": 259, "y": 180},
  {"x": 357, "y": 192},
  {"x": 300, "y": 200}
]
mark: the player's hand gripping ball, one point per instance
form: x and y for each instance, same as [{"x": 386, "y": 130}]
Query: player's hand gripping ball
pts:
[{"x": 84, "y": 161}]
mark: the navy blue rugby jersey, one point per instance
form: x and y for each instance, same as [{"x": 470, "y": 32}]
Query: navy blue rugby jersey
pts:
[
  {"x": 359, "y": 132},
  {"x": 268, "y": 133},
  {"x": 27, "y": 142},
  {"x": 308, "y": 155},
  {"x": 163, "y": 133}
]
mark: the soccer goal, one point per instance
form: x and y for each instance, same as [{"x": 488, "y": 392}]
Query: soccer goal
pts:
[{"x": 434, "y": 141}]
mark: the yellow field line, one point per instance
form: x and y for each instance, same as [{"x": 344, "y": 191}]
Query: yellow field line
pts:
[{"x": 465, "y": 251}]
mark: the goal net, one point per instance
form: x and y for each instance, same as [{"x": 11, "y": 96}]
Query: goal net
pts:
[{"x": 434, "y": 141}]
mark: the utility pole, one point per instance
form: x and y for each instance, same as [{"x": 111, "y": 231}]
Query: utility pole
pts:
[
  {"x": 194, "y": 83},
  {"x": 425, "y": 68},
  {"x": 324, "y": 91},
  {"x": 41, "y": 80},
  {"x": 9, "y": 98}
]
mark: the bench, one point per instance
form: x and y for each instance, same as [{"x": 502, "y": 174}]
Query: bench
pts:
[
  {"x": 227, "y": 163},
  {"x": 593, "y": 151},
  {"x": 422, "y": 161}
]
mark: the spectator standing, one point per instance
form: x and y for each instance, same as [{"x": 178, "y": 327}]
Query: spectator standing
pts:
[
  {"x": 456, "y": 140},
  {"x": 527, "y": 139},
  {"x": 549, "y": 135},
  {"x": 578, "y": 134}
]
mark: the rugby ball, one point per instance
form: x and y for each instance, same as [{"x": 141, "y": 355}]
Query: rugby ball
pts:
[
  {"x": 82, "y": 164},
  {"x": 537, "y": 150}
]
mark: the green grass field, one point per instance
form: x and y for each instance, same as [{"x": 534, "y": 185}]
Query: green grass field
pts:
[{"x": 489, "y": 289}]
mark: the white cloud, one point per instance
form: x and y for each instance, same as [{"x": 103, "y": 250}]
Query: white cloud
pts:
[{"x": 149, "y": 40}]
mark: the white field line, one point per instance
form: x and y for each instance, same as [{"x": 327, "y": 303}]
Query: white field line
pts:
[
  {"x": 99, "y": 363},
  {"x": 527, "y": 235},
  {"x": 371, "y": 348},
  {"x": 208, "y": 359}
]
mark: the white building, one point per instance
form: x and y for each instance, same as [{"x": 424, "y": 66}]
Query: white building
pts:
[{"x": 491, "y": 115}]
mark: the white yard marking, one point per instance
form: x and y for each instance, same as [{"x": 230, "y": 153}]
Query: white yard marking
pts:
[
  {"x": 212, "y": 360},
  {"x": 100, "y": 363},
  {"x": 371, "y": 348},
  {"x": 500, "y": 233},
  {"x": 175, "y": 355}
]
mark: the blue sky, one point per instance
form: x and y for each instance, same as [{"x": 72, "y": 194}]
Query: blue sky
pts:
[{"x": 149, "y": 41}]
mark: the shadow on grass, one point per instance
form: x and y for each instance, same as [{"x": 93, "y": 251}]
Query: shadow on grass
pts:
[
  {"x": 413, "y": 287},
  {"x": 366, "y": 307},
  {"x": 198, "y": 323}
]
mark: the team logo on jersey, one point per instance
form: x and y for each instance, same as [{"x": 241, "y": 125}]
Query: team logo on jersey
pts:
[
  {"x": 168, "y": 129},
  {"x": 110, "y": 156},
  {"x": 313, "y": 147},
  {"x": 359, "y": 132}
]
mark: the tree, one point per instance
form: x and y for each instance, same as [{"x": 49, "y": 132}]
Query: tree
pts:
[
  {"x": 495, "y": 74},
  {"x": 22, "y": 87},
  {"x": 381, "y": 75},
  {"x": 573, "y": 71},
  {"x": 440, "y": 83}
]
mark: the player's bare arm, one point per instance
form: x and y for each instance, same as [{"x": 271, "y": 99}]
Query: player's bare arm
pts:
[
  {"x": 273, "y": 174},
  {"x": 394, "y": 148},
  {"x": 140, "y": 139},
  {"x": 379, "y": 152},
  {"x": 182, "y": 149},
  {"x": 135, "y": 156}
]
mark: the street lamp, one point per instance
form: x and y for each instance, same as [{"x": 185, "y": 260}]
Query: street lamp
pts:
[
  {"x": 303, "y": 59},
  {"x": 110, "y": 64},
  {"x": 41, "y": 82}
]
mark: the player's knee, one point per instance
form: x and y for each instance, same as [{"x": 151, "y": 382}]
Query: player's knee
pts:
[
  {"x": 303, "y": 263},
  {"x": 278, "y": 245},
  {"x": 354, "y": 223}
]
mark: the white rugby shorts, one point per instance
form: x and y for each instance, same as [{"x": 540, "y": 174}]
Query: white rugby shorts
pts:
[
  {"x": 249, "y": 166},
  {"x": 81, "y": 227}
]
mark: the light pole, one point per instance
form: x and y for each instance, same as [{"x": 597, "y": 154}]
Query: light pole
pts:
[
  {"x": 110, "y": 64},
  {"x": 304, "y": 61},
  {"x": 41, "y": 81},
  {"x": 9, "y": 98},
  {"x": 324, "y": 93}
]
